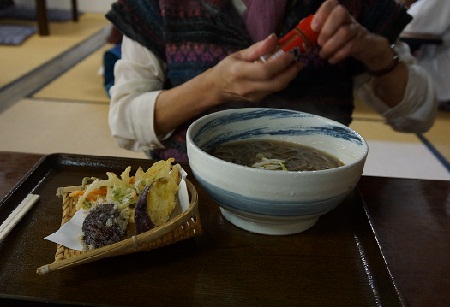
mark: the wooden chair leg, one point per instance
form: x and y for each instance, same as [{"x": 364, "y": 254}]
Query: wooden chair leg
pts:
[
  {"x": 41, "y": 12},
  {"x": 74, "y": 10}
]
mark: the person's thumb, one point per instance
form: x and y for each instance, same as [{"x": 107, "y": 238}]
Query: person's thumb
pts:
[{"x": 255, "y": 51}]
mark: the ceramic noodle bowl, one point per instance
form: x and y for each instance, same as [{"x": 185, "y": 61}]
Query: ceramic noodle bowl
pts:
[{"x": 268, "y": 201}]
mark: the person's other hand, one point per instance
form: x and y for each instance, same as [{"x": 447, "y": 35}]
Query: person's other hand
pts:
[
  {"x": 241, "y": 76},
  {"x": 342, "y": 36}
]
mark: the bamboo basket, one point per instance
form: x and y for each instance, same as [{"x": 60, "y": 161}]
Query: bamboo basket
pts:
[{"x": 182, "y": 226}]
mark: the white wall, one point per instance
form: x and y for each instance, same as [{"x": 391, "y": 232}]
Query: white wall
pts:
[{"x": 85, "y": 6}]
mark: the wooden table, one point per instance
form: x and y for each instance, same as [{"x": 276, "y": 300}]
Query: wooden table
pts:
[
  {"x": 41, "y": 12},
  {"x": 411, "y": 220},
  {"x": 415, "y": 40}
]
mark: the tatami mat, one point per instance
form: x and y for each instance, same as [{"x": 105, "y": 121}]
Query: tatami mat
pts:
[
  {"x": 82, "y": 83},
  {"x": 404, "y": 155},
  {"x": 370, "y": 125},
  {"x": 379, "y": 131},
  {"x": 401, "y": 155},
  {"x": 49, "y": 127},
  {"x": 19, "y": 60},
  {"x": 364, "y": 112},
  {"x": 436, "y": 140},
  {"x": 403, "y": 160},
  {"x": 439, "y": 135}
]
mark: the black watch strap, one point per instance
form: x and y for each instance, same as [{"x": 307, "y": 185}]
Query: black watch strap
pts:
[{"x": 384, "y": 71}]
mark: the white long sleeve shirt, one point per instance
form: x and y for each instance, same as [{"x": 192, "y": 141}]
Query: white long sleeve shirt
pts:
[
  {"x": 140, "y": 75},
  {"x": 433, "y": 17}
]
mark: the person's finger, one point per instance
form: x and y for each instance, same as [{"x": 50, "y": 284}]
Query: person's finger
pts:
[
  {"x": 338, "y": 18},
  {"x": 322, "y": 14},
  {"x": 255, "y": 51},
  {"x": 276, "y": 83},
  {"x": 341, "y": 54},
  {"x": 258, "y": 70},
  {"x": 339, "y": 40}
]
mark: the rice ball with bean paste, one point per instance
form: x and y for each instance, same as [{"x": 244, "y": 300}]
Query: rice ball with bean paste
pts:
[{"x": 105, "y": 224}]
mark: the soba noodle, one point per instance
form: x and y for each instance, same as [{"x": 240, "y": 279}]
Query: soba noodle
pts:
[{"x": 275, "y": 155}]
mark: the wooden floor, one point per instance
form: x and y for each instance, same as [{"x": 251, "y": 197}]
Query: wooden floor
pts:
[{"x": 68, "y": 113}]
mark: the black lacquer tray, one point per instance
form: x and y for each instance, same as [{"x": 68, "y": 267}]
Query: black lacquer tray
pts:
[{"x": 336, "y": 263}]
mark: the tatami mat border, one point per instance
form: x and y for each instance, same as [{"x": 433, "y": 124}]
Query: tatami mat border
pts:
[
  {"x": 39, "y": 77},
  {"x": 434, "y": 151}
]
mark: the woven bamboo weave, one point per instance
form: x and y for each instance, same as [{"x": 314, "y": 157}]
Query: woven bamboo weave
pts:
[{"x": 182, "y": 226}]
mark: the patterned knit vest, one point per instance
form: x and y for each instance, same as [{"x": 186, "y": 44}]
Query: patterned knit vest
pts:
[{"x": 191, "y": 36}]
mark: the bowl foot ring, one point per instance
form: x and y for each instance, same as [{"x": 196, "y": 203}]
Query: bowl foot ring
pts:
[{"x": 270, "y": 225}]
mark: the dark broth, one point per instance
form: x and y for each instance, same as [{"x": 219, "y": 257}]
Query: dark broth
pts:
[{"x": 275, "y": 155}]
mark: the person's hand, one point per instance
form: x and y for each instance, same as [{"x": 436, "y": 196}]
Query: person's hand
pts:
[
  {"x": 241, "y": 76},
  {"x": 238, "y": 77},
  {"x": 342, "y": 36}
]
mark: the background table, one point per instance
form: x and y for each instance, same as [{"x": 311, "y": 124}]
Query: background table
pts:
[
  {"x": 416, "y": 40},
  {"x": 41, "y": 13}
]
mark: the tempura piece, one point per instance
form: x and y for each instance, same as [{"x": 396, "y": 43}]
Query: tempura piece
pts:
[{"x": 157, "y": 201}]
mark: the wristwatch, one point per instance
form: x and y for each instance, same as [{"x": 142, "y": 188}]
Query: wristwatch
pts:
[{"x": 384, "y": 71}]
